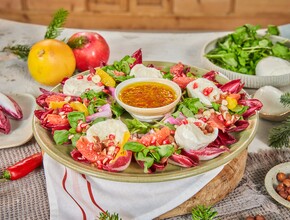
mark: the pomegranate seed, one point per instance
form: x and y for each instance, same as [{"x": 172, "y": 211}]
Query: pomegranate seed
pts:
[
  {"x": 220, "y": 117},
  {"x": 203, "y": 119},
  {"x": 83, "y": 125},
  {"x": 100, "y": 84},
  {"x": 172, "y": 132},
  {"x": 112, "y": 136},
  {"x": 89, "y": 78},
  {"x": 206, "y": 91},
  {"x": 166, "y": 141},
  {"x": 153, "y": 141},
  {"x": 195, "y": 85},
  {"x": 197, "y": 123},
  {"x": 184, "y": 121},
  {"x": 80, "y": 77},
  {"x": 106, "y": 91}
]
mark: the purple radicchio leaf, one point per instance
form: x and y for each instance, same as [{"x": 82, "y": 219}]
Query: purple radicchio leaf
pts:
[
  {"x": 10, "y": 107},
  {"x": 103, "y": 111},
  {"x": 5, "y": 126}
]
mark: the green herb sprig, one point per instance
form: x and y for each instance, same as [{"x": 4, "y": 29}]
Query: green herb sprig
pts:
[
  {"x": 54, "y": 29},
  {"x": 21, "y": 51},
  {"x": 202, "y": 212},
  {"x": 109, "y": 216},
  {"x": 280, "y": 135}
]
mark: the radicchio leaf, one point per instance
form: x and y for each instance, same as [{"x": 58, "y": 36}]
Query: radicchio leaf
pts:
[
  {"x": 5, "y": 126},
  {"x": 254, "y": 105},
  {"x": 234, "y": 86}
]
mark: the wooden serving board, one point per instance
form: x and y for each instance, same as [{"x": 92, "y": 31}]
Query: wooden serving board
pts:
[{"x": 217, "y": 189}]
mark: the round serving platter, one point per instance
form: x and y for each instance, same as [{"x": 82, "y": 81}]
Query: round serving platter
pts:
[{"x": 134, "y": 173}]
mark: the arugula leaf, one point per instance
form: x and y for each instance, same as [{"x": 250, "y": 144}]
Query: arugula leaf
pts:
[
  {"x": 189, "y": 107},
  {"x": 75, "y": 117},
  {"x": 134, "y": 146},
  {"x": 121, "y": 66},
  {"x": 136, "y": 126},
  {"x": 273, "y": 30},
  {"x": 117, "y": 109},
  {"x": 61, "y": 136},
  {"x": 75, "y": 138}
]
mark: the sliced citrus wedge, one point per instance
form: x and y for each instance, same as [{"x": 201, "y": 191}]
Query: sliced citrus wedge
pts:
[
  {"x": 79, "y": 107},
  {"x": 106, "y": 79}
]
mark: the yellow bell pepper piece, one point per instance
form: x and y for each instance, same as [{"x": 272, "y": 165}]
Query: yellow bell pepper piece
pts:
[
  {"x": 78, "y": 106},
  {"x": 106, "y": 79},
  {"x": 232, "y": 103}
]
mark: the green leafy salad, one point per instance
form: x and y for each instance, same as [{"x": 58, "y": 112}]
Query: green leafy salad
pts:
[{"x": 241, "y": 50}]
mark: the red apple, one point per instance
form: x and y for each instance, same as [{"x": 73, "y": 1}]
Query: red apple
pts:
[{"x": 90, "y": 50}]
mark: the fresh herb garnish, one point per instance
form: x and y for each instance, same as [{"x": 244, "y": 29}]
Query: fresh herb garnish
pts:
[
  {"x": 244, "y": 48},
  {"x": 149, "y": 155},
  {"x": 52, "y": 32},
  {"x": 54, "y": 29},
  {"x": 21, "y": 51},
  {"x": 202, "y": 212},
  {"x": 136, "y": 126},
  {"x": 279, "y": 136},
  {"x": 108, "y": 216},
  {"x": 189, "y": 107},
  {"x": 122, "y": 66}
]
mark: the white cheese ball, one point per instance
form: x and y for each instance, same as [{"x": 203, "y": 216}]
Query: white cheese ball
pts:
[
  {"x": 75, "y": 86},
  {"x": 191, "y": 137},
  {"x": 103, "y": 129},
  {"x": 272, "y": 66},
  {"x": 141, "y": 71},
  {"x": 196, "y": 88}
]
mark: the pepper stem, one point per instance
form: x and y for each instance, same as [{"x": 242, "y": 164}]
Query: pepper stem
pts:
[{"x": 7, "y": 175}]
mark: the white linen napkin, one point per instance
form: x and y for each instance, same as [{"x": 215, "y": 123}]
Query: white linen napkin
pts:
[{"x": 76, "y": 196}]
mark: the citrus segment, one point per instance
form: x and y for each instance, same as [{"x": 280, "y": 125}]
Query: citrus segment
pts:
[{"x": 106, "y": 79}]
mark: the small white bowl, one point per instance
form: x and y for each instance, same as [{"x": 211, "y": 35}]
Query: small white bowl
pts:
[
  {"x": 271, "y": 182},
  {"x": 149, "y": 114}
]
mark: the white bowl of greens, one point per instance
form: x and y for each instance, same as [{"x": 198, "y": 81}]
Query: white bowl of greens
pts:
[{"x": 237, "y": 54}]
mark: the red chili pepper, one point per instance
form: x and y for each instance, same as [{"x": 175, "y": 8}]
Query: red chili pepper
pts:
[{"x": 23, "y": 167}]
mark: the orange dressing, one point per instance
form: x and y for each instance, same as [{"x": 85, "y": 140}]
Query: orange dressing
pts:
[{"x": 147, "y": 95}]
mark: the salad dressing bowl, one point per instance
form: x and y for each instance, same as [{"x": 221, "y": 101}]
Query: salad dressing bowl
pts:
[
  {"x": 61, "y": 153},
  {"x": 148, "y": 114}
]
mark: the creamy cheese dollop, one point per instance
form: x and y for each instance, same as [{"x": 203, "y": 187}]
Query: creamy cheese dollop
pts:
[
  {"x": 272, "y": 66},
  {"x": 141, "y": 71},
  {"x": 191, "y": 137},
  {"x": 77, "y": 85},
  {"x": 205, "y": 90},
  {"x": 104, "y": 128}
]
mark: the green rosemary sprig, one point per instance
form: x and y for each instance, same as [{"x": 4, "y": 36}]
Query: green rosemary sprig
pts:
[
  {"x": 54, "y": 29},
  {"x": 21, "y": 51},
  {"x": 107, "y": 216},
  {"x": 78, "y": 42},
  {"x": 202, "y": 212},
  {"x": 285, "y": 99},
  {"x": 279, "y": 136}
]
